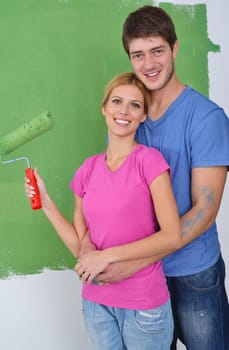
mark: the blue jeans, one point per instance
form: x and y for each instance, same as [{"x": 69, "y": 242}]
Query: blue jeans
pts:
[
  {"x": 200, "y": 309},
  {"x": 112, "y": 328}
]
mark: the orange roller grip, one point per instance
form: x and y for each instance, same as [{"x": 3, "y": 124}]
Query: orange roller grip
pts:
[{"x": 36, "y": 199}]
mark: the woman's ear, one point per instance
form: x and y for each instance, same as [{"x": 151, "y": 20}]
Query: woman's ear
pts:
[
  {"x": 143, "y": 118},
  {"x": 103, "y": 110}
]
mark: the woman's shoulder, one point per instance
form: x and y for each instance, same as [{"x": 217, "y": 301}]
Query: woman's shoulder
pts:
[
  {"x": 151, "y": 163},
  {"x": 149, "y": 152},
  {"x": 90, "y": 161},
  {"x": 84, "y": 171}
]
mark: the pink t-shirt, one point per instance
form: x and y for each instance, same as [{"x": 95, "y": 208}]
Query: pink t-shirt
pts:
[{"x": 118, "y": 209}]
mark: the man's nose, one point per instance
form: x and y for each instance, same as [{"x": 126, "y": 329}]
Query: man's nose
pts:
[{"x": 149, "y": 61}]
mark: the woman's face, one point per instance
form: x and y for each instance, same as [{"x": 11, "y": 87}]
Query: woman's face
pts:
[{"x": 124, "y": 110}]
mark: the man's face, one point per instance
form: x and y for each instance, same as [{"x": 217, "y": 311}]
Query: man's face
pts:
[{"x": 153, "y": 61}]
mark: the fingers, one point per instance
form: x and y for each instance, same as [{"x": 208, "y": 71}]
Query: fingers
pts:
[
  {"x": 87, "y": 278},
  {"x": 29, "y": 189},
  {"x": 84, "y": 276}
]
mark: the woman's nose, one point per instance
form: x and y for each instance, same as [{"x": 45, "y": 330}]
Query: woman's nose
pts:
[{"x": 123, "y": 109}]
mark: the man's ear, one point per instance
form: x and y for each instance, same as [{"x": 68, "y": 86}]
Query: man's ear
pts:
[{"x": 175, "y": 49}]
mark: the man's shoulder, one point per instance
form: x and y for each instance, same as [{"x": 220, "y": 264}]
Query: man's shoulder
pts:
[
  {"x": 199, "y": 98},
  {"x": 196, "y": 106}
]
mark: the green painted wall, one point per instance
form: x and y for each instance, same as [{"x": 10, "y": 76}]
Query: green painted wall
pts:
[
  {"x": 191, "y": 28},
  {"x": 57, "y": 55}
]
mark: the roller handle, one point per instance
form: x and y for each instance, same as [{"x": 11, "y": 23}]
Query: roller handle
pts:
[{"x": 35, "y": 201}]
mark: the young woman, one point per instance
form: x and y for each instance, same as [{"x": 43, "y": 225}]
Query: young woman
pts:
[{"x": 125, "y": 205}]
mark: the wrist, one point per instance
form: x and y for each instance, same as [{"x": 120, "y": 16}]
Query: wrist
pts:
[
  {"x": 47, "y": 202},
  {"x": 109, "y": 256}
]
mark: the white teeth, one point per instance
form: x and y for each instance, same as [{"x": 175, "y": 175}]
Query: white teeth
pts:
[
  {"x": 121, "y": 121},
  {"x": 152, "y": 74}
]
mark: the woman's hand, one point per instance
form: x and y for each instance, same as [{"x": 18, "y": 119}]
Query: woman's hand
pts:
[
  {"x": 29, "y": 189},
  {"x": 90, "y": 265}
]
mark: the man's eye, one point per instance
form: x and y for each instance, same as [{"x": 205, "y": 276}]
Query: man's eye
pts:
[
  {"x": 158, "y": 52},
  {"x": 136, "y": 56}
]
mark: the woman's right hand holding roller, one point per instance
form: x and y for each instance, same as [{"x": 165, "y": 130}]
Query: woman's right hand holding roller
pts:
[{"x": 30, "y": 191}]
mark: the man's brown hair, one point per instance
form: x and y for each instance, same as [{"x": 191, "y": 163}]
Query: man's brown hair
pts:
[{"x": 148, "y": 21}]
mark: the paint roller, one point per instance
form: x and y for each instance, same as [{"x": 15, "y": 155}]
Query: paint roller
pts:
[{"x": 18, "y": 137}]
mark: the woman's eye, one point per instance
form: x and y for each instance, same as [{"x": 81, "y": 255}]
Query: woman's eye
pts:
[
  {"x": 116, "y": 100},
  {"x": 136, "y": 105}
]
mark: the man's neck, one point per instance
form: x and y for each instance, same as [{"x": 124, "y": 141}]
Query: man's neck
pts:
[{"x": 163, "y": 98}]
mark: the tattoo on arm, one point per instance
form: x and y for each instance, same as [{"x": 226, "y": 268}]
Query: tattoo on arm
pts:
[
  {"x": 208, "y": 194},
  {"x": 209, "y": 201},
  {"x": 190, "y": 223}
]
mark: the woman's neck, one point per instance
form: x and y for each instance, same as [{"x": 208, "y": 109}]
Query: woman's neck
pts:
[{"x": 117, "y": 152}]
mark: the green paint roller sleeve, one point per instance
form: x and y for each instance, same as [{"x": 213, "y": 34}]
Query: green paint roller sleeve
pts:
[{"x": 18, "y": 137}]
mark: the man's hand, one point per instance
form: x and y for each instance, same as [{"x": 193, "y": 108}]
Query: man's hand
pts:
[{"x": 119, "y": 271}]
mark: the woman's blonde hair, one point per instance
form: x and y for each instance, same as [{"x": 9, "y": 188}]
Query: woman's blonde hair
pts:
[{"x": 127, "y": 79}]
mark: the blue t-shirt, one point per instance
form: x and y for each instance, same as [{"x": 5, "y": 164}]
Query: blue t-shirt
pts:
[{"x": 192, "y": 133}]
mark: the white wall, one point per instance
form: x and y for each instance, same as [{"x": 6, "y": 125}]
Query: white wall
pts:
[{"x": 44, "y": 311}]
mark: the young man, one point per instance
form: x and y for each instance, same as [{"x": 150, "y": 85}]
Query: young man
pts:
[{"x": 192, "y": 133}]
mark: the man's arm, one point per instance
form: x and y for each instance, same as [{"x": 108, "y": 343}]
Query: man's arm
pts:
[{"x": 207, "y": 190}]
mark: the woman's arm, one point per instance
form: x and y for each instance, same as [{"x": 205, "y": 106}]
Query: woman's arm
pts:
[
  {"x": 86, "y": 244},
  {"x": 65, "y": 229},
  {"x": 166, "y": 240}
]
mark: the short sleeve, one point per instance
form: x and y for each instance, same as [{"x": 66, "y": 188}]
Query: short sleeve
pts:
[
  {"x": 210, "y": 140},
  {"x": 81, "y": 177},
  {"x": 153, "y": 164},
  {"x": 77, "y": 183}
]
